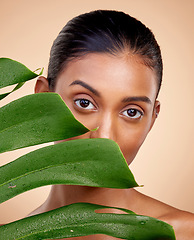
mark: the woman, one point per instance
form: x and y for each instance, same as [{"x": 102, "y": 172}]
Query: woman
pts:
[{"x": 107, "y": 67}]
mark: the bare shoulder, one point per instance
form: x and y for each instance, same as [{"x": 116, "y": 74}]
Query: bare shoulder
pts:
[
  {"x": 145, "y": 205},
  {"x": 182, "y": 221}
]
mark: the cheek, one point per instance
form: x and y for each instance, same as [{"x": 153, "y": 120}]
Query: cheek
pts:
[
  {"x": 131, "y": 141},
  {"x": 87, "y": 120}
]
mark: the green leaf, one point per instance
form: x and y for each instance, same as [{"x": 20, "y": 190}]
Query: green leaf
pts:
[
  {"x": 12, "y": 72},
  {"x": 36, "y": 119},
  {"x": 87, "y": 162},
  {"x": 44, "y": 118},
  {"x": 19, "y": 85},
  {"x": 80, "y": 219},
  {"x": 4, "y": 95}
]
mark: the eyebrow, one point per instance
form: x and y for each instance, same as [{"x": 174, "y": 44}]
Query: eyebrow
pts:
[
  {"x": 137, "y": 99},
  {"x": 127, "y": 99},
  {"x": 85, "y": 85}
]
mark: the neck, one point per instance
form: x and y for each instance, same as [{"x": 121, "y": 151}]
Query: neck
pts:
[{"x": 62, "y": 195}]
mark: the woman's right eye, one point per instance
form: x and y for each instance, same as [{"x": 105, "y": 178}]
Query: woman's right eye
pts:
[{"x": 84, "y": 104}]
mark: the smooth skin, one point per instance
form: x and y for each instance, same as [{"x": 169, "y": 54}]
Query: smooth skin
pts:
[{"x": 117, "y": 94}]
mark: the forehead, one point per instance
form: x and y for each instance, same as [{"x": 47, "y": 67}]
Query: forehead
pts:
[{"x": 124, "y": 73}]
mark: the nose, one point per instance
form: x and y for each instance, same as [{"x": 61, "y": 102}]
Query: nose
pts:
[{"x": 106, "y": 127}]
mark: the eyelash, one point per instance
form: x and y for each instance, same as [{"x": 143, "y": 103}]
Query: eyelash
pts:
[{"x": 125, "y": 113}]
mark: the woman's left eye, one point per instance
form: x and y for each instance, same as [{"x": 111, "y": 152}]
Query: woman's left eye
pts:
[
  {"x": 84, "y": 104},
  {"x": 133, "y": 113}
]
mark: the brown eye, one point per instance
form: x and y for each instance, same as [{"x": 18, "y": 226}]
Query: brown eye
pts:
[
  {"x": 133, "y": 113},
  {"x": 84, "y": 103}
]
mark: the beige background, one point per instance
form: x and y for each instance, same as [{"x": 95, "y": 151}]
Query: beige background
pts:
[{"x": 165, "y": 163}]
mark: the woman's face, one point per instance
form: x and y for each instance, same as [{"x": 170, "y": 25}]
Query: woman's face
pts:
[{"x": 115, "y": 94}]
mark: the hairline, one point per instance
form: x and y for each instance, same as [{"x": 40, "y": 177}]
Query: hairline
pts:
[{"x": 126, "y": 50}]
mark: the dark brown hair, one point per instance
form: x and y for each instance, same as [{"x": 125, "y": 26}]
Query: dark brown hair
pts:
[{"x": 104, "y": 31}]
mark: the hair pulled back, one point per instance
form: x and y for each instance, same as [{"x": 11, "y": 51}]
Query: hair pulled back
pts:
[{"x": 104, "y": 31}]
